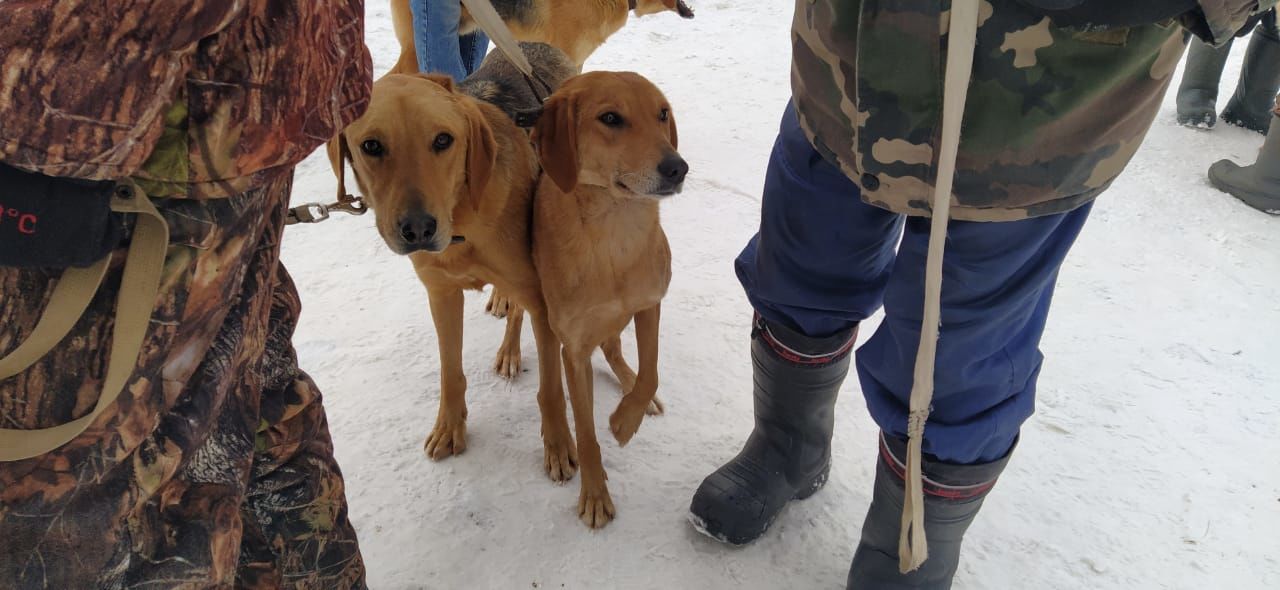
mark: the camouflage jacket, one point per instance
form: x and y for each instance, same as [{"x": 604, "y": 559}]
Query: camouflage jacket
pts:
[
  {"x": 1053, "y": 114},
  {"x": 200, "y": 98}
]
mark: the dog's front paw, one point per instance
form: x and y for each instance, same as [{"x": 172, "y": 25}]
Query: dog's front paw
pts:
[
  {"x": 560, "y": 459},
  {"x": 507, "y": 364},
  {"x": 595, "y": 507},
  {"x": 625, "y": 420},
  {"x": 449, "y": 437}
]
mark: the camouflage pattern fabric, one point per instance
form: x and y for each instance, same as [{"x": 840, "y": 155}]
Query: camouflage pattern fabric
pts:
[
  {"x": 214, "y": 469},
  {"x": 200, "y": 98},
  {"x": 1053, "y": 114}
]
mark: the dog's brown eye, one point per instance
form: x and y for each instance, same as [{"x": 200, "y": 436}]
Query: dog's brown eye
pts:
[
  {"x": 611, "y": 119},
  {"x": 664, "y": 114},
  {"x": 371, "y": 147},
  {"x": 442, "y": 142}
]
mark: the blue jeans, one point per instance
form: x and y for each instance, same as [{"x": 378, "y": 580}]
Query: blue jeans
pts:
[
  {"x": 439, "y": 47},
  {"x": 823, "y": 261}
]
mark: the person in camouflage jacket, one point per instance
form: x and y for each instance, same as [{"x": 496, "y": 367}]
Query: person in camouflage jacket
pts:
[
  {"x": 1062, "y": 93},
  {"x": 214, "y": 467}
]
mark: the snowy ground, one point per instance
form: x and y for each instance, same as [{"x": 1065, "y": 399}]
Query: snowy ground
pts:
[{"x": 1153, "y": 460}]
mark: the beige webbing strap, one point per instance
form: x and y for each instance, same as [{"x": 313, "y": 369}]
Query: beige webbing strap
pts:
[
  {"x": 71, "y": 296},
  {"x": 139, "y": 285},
  {"x": 913, "y": 548}
]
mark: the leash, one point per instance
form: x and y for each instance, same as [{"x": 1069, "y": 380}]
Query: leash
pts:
[
  {"x": 143, "y": 267},
  {"x": 316, "y": 212},
  {"x": 913, "y": 548},
  {"x": 526, "y": 119}
]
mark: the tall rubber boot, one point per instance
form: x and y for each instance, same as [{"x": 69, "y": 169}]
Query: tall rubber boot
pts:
[
  {"x": 1198, "y": 92},
  {"x": 788, "y": 455},
  {"x": 1251, "y": 105},
  {"x": 1257, "y": 185},
  {"x": 952, "y": 496}
]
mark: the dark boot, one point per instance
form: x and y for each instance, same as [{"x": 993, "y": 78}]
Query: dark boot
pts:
[
  {"x": 788, "y": 455},
  {"x": 1198, "y": 93},
  {"x": 1257, "y": 185},
  {"x": 1251, "y": 105},
  {"x": 952, "y": 496}
]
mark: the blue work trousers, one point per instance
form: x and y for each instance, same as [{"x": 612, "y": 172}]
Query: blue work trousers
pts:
[{"x": 824, "y": 260}]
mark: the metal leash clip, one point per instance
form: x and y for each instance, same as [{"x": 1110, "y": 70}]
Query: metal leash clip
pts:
[{"x": 317, "y": 212}]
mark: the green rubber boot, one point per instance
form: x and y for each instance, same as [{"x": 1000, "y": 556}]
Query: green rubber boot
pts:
[
  {"x": 1257, "y": 185},
  {"x": 1198, "y": 93}
]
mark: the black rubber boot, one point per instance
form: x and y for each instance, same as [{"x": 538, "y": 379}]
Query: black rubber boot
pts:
[
  {"x": 952, "y": 496},
  {"x": 1198, "y": 92},
  {"x": 1258, "y": 185},
  {"x": 1251, "y": 105},
  {"x": 788, "y": 455}
]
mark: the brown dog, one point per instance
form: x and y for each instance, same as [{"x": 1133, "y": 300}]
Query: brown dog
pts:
[
  {"x": 607, "y": 142},
  {"x": 450, "y": 180},
  {"x": 576, "y": 27}
]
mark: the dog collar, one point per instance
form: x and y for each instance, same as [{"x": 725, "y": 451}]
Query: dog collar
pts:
[{"x": 631, "y": 4}]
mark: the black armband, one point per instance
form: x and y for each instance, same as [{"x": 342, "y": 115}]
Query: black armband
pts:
[{"x": 51, "y": 222}]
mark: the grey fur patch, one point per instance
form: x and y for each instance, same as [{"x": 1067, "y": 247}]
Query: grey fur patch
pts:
[{"x": 498, "y": 82}]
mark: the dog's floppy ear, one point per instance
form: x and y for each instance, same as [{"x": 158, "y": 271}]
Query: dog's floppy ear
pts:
[
  {"x": 442, "y": 79},
  {"x": 482, "y": 151},
  {"x": 555, "y": 137}
]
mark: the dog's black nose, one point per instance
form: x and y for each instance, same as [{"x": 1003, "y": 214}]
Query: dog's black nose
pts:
[
  {"x": 673, "y": 168},
  {"x": 418, "y": 229}
]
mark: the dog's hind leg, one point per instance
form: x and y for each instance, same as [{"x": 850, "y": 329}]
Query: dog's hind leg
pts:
[
  {"x": 402, "y": 23},
  {"x": 507, "y": 364},
  {"x": 626, "y": 419}
]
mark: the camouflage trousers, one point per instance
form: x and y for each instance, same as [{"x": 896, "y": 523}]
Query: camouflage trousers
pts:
[{"x": 214, "y": 468}]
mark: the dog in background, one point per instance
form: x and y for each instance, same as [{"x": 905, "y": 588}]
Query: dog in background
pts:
[
  {"x": 576, "y": 27},
  {"x": 607, "y": 142},
  {"x": 498, "y": 82}
]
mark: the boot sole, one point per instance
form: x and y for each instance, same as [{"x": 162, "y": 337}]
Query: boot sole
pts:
[
  {"x": 1262, "y": 202},
  {"x": 740, "y": 539},
  {"x": 1205, "y": 121},
  {"x": 1231, "y": 118},
  {"x": 815, "y": 484}
]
